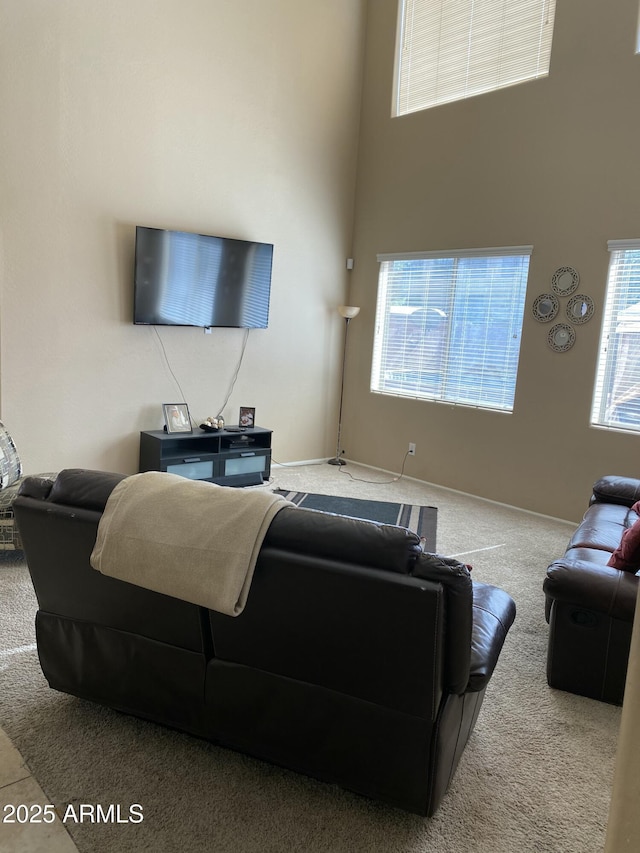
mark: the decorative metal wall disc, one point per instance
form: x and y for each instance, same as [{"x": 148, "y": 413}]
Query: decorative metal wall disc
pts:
[
  {"x": 561, "y": 337},
  {"x": 565, "y": 280},
  {"x": 580, "y": 308},
  {"x": 545, "y": 307}
]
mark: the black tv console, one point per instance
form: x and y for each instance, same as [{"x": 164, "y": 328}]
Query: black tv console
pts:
[{"x": 229, "y": 457}]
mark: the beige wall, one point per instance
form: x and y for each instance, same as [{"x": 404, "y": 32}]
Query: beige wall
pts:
[
  {"x": 217, "y": 116},
  {"x": 553, "y": 163}
]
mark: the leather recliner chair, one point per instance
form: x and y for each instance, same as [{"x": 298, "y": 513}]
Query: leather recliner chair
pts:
[{"x": 590, "y": 605}]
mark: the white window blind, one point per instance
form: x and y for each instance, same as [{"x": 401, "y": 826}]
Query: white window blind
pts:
[
  {"x": 448, "y": 325},
  {"x": 616, "y": 399},
  {"x": 452, "y": 49}
]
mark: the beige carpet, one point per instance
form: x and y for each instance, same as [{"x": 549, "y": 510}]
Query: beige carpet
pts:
[{"x": 535, "y": 776}]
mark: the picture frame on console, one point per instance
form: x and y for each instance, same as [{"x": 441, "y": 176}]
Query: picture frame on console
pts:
[
  {"x": 176, "y": 417},
  {"x": 247, "y": 417}
]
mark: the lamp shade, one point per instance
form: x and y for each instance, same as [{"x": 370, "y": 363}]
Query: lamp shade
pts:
[{"x": 348, "y": 311}]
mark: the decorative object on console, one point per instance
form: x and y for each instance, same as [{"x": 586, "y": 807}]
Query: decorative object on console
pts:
[
  {"x": 176, "y": 417},
  {"x": 210, "y": 424},
  {"x": 561, "y": 337},
  {"x": 545, "y": 307},
  {"x": 565, "y": 280},
  {"x": 247, "y": 417},
  {"x": 348, "y": 312},
  {"x": 580, "y": 308}
]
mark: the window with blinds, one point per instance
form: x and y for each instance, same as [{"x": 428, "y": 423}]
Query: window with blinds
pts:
[
  {"x": 449, "y": 324},
  {"x": 448, "y": 50},
  {"x": 616, "y": 399}
]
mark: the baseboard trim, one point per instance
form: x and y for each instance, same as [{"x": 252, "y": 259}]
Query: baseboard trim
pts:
[{"x": 300, "y": 463}]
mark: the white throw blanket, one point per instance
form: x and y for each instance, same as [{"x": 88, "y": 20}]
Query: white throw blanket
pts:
[{"x": 186, "y": 538}]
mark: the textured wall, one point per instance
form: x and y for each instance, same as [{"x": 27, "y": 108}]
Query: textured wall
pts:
[{"x": 214, "y": 116}]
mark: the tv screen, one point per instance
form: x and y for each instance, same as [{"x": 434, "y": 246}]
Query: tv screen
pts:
[{"x": 185, "y": 279}]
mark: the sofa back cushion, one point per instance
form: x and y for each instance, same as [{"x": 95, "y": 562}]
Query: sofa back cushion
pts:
[
  {"x": 602, "y": 527},
  {"x": 349, "y": 540},
  {"x": 84, "y": 488},
  {"x": 614, "y": 489}
]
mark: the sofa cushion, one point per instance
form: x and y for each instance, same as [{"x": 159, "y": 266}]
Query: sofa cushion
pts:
[
  {"x": 616, "y": 490},
  {"x": 602, "y": 527},
  {"x": 493, "y": 614},
  {"x": 627, "y": 555},
  {"x": 349, "y": 540},
  {"x": 84, "y": 488}
]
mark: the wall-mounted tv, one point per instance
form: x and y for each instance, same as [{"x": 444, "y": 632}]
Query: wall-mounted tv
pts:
[{"x": 185, "y": 279}]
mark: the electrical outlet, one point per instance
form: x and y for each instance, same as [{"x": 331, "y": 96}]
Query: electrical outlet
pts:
[{"x": 412, "y": 449}]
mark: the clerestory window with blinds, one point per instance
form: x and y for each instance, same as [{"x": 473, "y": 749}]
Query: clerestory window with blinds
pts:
[
  {"x": 616, "y": 399},
  {"x": 449, "y": 324},
  {"x": 448, "y": 50}
]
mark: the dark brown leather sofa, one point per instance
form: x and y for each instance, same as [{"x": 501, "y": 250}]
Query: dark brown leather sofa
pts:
[
  {"x": 590, "y": 605},
  {"x": 357, "y": 660}
]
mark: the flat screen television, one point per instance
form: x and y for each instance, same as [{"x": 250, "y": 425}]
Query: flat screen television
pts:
[{"x": 185, "y": 279}]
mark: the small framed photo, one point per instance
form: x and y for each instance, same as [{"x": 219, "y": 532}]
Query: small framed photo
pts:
[
  {"x": 247, "y": 417},
  {"x": 176, "y": 417}
]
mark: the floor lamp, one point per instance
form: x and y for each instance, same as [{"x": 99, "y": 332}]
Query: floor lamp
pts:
[{"x": 348, "y": 312}]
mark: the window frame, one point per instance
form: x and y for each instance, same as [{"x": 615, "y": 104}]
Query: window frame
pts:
[
  {"x": 621, "y": 279},
  {"x": 441, "y": 360},
  {"x": 464, "y": 62}
]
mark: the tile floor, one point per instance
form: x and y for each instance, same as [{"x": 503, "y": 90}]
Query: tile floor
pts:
[{"x": 18, "y": 787}]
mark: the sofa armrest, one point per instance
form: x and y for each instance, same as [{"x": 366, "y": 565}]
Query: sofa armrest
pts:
[
  {"x": 616, "y": 490},
  {"x": 455, "y": 580},
  {"x": 602, "y": 589},
  {"x": 493, "y": 613},
  {"x": 36, "y": 486}
]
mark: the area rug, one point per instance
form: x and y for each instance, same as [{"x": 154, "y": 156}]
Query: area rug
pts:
[{"x": 420, "y": 519}]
